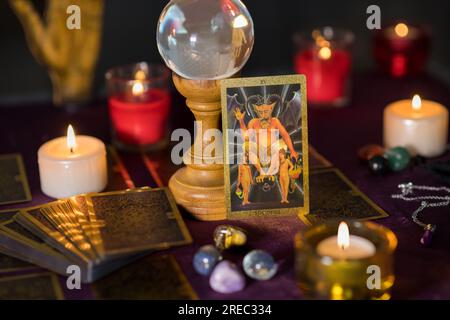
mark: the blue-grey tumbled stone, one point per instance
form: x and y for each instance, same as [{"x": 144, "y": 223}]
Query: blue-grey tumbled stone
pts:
[{"x": 206, "y": 259}]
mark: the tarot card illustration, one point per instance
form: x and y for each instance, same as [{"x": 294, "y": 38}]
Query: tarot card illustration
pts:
[{"x": 266, "y": 146}]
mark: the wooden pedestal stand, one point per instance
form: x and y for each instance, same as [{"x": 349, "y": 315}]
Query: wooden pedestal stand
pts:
[{"x": 199, "y": 187}]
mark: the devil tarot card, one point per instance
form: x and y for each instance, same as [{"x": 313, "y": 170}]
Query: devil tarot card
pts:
[{"x": 266, "y": 146}]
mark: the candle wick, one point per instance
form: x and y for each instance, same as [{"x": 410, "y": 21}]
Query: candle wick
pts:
[{"x": 71, "y": 149}]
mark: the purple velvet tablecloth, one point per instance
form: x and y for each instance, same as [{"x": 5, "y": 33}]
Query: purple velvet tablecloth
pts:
[{"x": 336, "y": 133}]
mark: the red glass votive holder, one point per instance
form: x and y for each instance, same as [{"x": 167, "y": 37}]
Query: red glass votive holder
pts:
[
  {"x": 139, "y": 105},
  {"x": 402, "y": 50},
  {"x": 324, "y": 57}
]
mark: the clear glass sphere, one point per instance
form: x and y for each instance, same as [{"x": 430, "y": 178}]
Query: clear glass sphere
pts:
[{"x": 205, "y": 39}]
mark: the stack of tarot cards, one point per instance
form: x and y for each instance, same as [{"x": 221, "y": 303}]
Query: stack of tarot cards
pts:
[{"x": 97, "y": 232}]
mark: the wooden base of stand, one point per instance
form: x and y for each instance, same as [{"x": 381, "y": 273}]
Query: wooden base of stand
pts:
[{"x": 199, "y": 187}]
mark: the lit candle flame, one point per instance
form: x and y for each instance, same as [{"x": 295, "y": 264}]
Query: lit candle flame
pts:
[
  {"x": 140, "y": 75},
  {"x": 71, "y": 140},
  {"x": 138, "y": 88},
  {"x": 416, "y": 102},
  {"x": 325, "y": 53},
  {"x": 401, "y": 30},
  {"x": 343, "y": 237}
]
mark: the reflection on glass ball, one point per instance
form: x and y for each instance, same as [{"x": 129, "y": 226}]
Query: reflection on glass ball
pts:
[{"x": 205, "y": 39}]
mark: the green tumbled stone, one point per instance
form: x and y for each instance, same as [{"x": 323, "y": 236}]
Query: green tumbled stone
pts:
[{"x": 398, "y": 158}]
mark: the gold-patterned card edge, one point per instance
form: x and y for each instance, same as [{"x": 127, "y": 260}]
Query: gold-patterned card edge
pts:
[{"x": 24, "y": 213}]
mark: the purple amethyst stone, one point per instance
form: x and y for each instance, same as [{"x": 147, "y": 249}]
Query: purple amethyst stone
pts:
[
  {"x": 227, "y": 278},
  {"x": 427, "y": 236}
]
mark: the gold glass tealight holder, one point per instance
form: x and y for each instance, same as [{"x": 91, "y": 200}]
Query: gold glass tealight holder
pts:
[{"x": 345, "y": 261}]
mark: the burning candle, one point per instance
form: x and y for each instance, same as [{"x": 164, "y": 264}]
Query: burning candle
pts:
[
  {"x": 325, "y": 59},
  {"x": 401, "y": 49},
  {"x": 419, "y": 125},
  {"x": 139, "y": 104},
  {"x": 72, "y": 165},
  {"x": 346, "y": 246}
]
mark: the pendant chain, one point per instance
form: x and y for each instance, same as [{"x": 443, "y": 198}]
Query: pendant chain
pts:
[{"x": 407, "y": 190}]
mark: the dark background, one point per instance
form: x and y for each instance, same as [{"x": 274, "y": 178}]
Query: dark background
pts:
[{"x": 129, "y": 36}]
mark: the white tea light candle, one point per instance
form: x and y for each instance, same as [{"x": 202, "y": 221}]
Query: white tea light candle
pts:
[
  {"x": 72, "y": 165},
  {"x": 345, "y": 246},
  {"x": 421, "y": 126}
]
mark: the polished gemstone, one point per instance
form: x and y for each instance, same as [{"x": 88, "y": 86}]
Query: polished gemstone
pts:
[
  {"x": 378, "y": 165},
  {"x": 398, "y": 158},
  {"x": 206, "y": 259},
  {"x": 427, "y": 236},
  {"x": 368, "y": 151},
  {"x": 259, "y": 265},
  {"x": 226, "y": 278},
  {"x": 226, "y": 236}
]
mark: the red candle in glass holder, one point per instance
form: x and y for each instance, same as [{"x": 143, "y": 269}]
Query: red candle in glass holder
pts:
[
  {"x": 401, "y": 50},
  {"x": 140, "y": 121},
  {"x": 324, "y": 57},
  {"x": 139, "y": 105},
  {"x": 326, "y": 71}
]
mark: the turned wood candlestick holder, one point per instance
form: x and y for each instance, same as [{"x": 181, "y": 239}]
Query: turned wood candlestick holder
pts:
[{"x": 199, "y": 186}]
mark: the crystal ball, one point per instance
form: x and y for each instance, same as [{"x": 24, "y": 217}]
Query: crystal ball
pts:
[{"x": 205, "y": 39}]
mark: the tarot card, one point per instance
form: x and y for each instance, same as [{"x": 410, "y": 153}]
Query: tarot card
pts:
[
  {"x": 18, "y": 243},
  {"x": 62, "y": 215},
  {"x": 165, "y": 281},
  {"x": 33, "y": 220},
  {"x": 333, "y": 196},
  {"x": 137, "y": 220},
  {"x": 9, "y": 225},
  {"x": 7, "y": 262},
  {"x": 43, "y": 286},
  {"x": 10, "y": 263},
  {"x": 6, "y": 215},
  {"x": 266, "y": 146},
  {"x": 13, "y": 180}
]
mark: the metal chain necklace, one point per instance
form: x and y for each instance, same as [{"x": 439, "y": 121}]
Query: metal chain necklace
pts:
[{"x": 407, "y": 190}]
